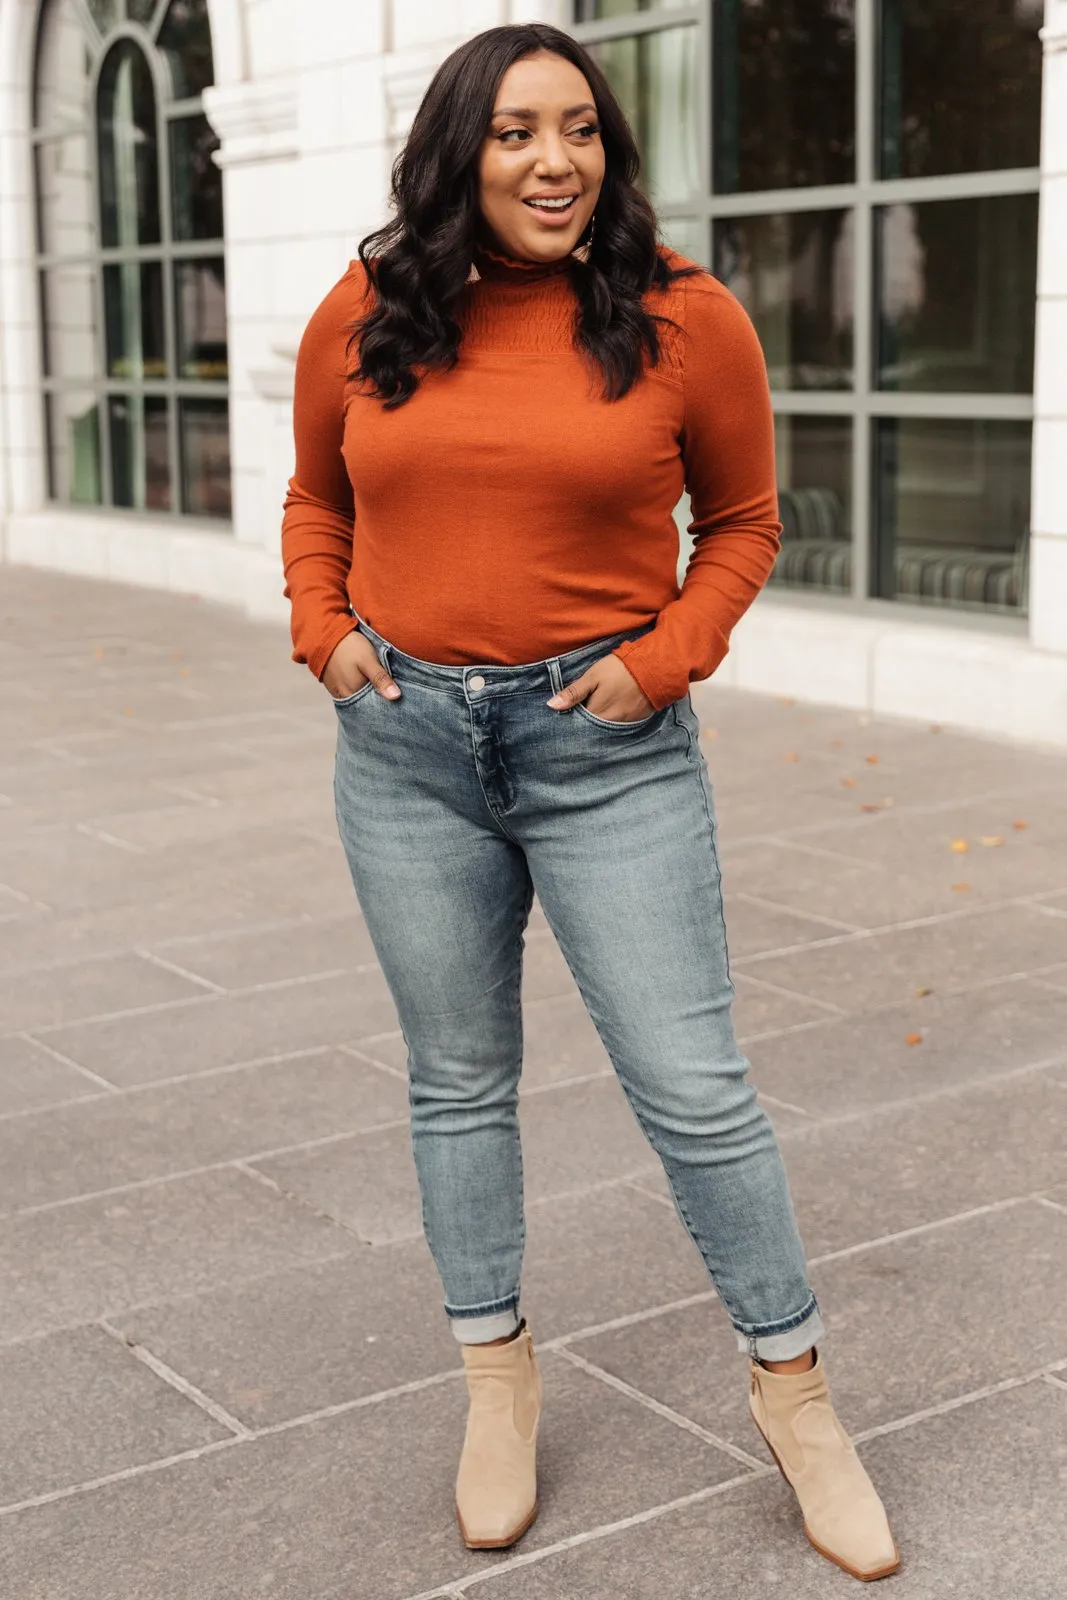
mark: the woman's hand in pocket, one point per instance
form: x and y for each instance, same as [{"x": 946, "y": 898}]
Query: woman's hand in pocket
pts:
[
  {"x": 354, "y": 663},
  {"x": 607, "y": 690}
]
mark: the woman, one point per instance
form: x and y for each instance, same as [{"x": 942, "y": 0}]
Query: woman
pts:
[{"x": 495, "y": 412}]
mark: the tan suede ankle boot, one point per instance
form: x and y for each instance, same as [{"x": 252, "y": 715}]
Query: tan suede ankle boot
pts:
[
  {"x": 843, "y": 1516},
  {"x": 496, "y": 1487}
]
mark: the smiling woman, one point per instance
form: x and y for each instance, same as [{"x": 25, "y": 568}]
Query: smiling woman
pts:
[{"x": 478, "y": 540}]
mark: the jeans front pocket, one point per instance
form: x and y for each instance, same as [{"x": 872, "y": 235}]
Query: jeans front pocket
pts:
[
  {"x": 352, "y": 699},
  {"x": 642, "y": 725}
]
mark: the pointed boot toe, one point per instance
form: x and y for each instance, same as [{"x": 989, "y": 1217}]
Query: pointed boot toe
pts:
[
  {"x": 844, "y": 1518},
  {"x": 496, "y": 1486}
]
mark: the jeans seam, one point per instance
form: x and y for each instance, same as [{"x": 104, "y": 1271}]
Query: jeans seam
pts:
[
  {"x": 768, "y": 1330},
  {"x": 505, "y": 830}
]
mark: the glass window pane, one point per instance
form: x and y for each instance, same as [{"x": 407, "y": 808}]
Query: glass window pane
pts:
[
  {"x": 129, "y": 154},
  {"x": 961, "y": 85},
  {"x": 141, "y": 11},
  {"x": 133, "y": 318},
  {"x": 185, "y": 39},
  {"x": 957, "y": 281},
  {"x": 792, "y": 271},
  {"x": 784, "y": 95},
  {"x": 953, "y": 512},
  {"x": 73, "y": 423},
  {"x": 195, "y": 179},
  {"x": 595, "y": 10},
  {"x": 200, "y": 300},
  {"x": 140, "y": 457},
  {"x": 205, "y": 436},
  {"x": 687, "y": 235},
  {"x": 68, "y": 315},
  {"x": 66, "y": 212},
  {"x": 64, "y": 67},
  {"x": 654, "y": 76},
  {"x": 105, "y": 13},
  {"x": 814, "y": 460}
]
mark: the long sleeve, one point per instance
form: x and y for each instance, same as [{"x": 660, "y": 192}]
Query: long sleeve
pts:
[
  {"x": 318, "y": 520},
  {"x": 728, "y": 454}
]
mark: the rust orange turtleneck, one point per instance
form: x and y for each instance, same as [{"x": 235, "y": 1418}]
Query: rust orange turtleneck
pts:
[{"x": 507, "y": 512}]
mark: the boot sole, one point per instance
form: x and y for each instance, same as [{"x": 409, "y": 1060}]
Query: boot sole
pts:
[
  {"x": 498, "y": 1544},
  {"x": 828, "y": 1555}
]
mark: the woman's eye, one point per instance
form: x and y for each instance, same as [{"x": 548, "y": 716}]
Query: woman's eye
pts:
[
  {"x": 588, "y": 129},
  {"x": 506, "y": 136}
]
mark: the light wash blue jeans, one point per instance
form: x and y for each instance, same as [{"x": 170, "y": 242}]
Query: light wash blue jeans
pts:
[{"x": 455, "y": 804}]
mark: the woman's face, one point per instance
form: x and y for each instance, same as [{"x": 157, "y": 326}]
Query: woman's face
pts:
[{"x": 543, "y": 144}]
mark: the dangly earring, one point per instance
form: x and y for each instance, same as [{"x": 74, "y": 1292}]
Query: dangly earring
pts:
[
  {"x": 581, "y": 252},
  {"x": 474, "y": 276}
]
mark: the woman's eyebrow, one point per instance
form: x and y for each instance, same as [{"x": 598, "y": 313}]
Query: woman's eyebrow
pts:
[{"x": 531, "y": 115}]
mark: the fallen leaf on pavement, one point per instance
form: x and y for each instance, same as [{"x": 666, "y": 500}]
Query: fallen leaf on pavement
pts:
[
  {"x": 792, "y": 756},
  {"x": 914, "y": 1038},
  {"x": 960, "y": 846},
  {"x": 992, "y": 840},
  {"x": 961, "y": 888},
  {"x": 1020, "y": 827},
  {"x": 848, "y": 783},
  {"x": 922, "y": 993},
  {"x": 872, "y": 761}
]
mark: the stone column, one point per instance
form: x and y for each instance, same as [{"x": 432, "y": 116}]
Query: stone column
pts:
[{"x": 1048, "y": 564}]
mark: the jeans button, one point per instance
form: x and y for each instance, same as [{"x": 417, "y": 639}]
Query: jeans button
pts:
[{"x": 477, "y": 682}]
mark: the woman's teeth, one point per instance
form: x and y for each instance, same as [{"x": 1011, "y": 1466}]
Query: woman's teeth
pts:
[{"x": 552, "y": 205}]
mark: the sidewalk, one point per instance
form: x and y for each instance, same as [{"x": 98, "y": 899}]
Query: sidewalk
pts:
[{"x": 224, "y": 1373}]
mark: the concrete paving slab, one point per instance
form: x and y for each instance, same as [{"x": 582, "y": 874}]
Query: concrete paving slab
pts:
[
  {"x": 376, "y": 1317},
  {"x": 31, "y": 1078},
  {"x": 866, "y": 1176},
  {"x": 928, "y": 1042},
  {"x": 989, "y": 1294},
  {"x": 358, "y": 1505},
  {"x": 271, "y": 955},
  {"x": 77, "y": 1405},
  {"x": 74, "y": 1263},
  {"x": 51, "y": 996},
  {"x": 962, "y": 951},
  {"x": 222, "y": 1031},
  {"x": 970, "y": 1495},
  {"x": 153, "y": 1132}
]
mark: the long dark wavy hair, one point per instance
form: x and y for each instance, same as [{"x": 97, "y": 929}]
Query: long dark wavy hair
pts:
[{"x": 418, "y": 263}]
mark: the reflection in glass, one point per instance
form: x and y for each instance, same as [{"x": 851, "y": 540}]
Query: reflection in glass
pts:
[
  {"x": 784, "y": 93},
  {"x": 200, "y": 302},
  {"x": 73, "y": 423},
  {"x": 961, "y": 85},
  {"x": 953, "y": 512},
  {"x": 792, "y": 271},
  {"x": 133, "y": 319},
  {"x": 185, "y": 39},
  {"x": 68, "y": 318},
  {"x": 205, "y": 443},
  {"x": 140, "y": 456},
  {"x": 141, "y": 11},
  {"x": 196, "y": 180},
  {"x": 814, "y": 462},
  {"x": 655, "y": 78},
  {"x": 64, "y": 68},
  {"x": 129, "y": 156},
  {"x": 956, "y": 294},
  {"x": 687, "y": 235},
  {"x": 66, "y": 215}
]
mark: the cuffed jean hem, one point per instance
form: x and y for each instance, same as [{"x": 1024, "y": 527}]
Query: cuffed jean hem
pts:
[
  {"x": 784, "y": 1343},
  {"x": 484, "y": 1327}
]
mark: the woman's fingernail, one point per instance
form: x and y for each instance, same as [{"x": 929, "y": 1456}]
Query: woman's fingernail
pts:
[
  {"x": 392, "y": 692},
  {"x": 556, "y": 701}
]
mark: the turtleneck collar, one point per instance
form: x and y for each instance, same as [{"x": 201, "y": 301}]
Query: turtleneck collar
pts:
[{"x": 499, "y": 268}]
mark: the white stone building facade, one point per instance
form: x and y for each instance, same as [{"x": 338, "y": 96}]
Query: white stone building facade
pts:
[{"x": 926, "y": 570}]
